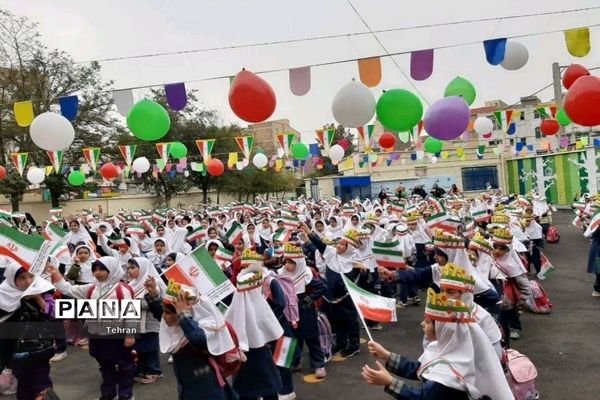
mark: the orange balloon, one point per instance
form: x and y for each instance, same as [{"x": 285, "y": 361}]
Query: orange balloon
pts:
[
  {"x": 215, "y": 167},
  {"x": 109, "y": 171},
  {"x": 2, "y": 172},
  {"x": 251, "y": 98}
]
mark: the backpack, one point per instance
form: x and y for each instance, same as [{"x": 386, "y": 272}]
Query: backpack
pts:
[
  {"x": 119, "y": 290},
  {"x": 539, "y": 302},
  {"x": 287, "y": 286},
  {"x": 229, "y": 363},
  {"x": 552, "y": 236},
  {"x": 521, "y": 374},
  {"x": 326, "y": 337}
]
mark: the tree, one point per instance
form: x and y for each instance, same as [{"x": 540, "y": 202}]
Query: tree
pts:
[
  {"x": 32, "y": 72},
  {"x": 341, "y": 133},
  {"x": 13, "y": 187}
]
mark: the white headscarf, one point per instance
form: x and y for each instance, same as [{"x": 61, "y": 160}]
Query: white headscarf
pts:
[
  {"x": 264, "y": 233},
  {"x": 85, "y": 272},
  {"x": 210, "y": 319},
  {"x": 109, "y": 228},
  {"x": 251, "y": 240},
  {"x": 10, "y": 295},
  {"x": 301, "y": 275},
  {"x": 115, "y": 273},
  {"x": 81, "y": 235},
  {"x": 147, "y": 269},
  {"x": 461, "y": 258},
  {"x": 177, "y": 241},
  {"x": 341, "y": 263},
  {"x": 510, "y": 263}
]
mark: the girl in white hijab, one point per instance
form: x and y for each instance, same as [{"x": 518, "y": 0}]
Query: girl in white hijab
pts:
[
  {"x": 78, "y": 234},
  {"x": 159, "y": 253},
  {"x": 81, "y": 265},
  {"x": 251, "y": 237},
  {"x": 177, "y": 241}
]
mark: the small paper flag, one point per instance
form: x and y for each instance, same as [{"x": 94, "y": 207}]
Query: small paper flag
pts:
[
  {"x": 578, "y": 41},
  {"x": 369, "y": 70},
  {"x": 69, "y": 105},
  {"x": 494, "y": 50},
  {"x": 300, "y": 80},
  {"x": 421, "y": 64}
]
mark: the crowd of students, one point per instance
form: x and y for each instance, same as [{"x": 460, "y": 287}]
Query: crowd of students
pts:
[{"x": 471, "y": 255}]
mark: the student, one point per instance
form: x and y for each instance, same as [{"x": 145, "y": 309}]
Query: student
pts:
[
  {"x": 80, "y": 270},
  {"x": 113, "y": 353},
  {"x": 308, "y": 290},
  {"x": 159, "y": 254},
  {"x": 535, "y": 234},
  {"x": 193, "y": 330},
  {"x": 124, "y": 252},
  {"x": 25, "y": 297},
  {"x": 148, "y": 365}
]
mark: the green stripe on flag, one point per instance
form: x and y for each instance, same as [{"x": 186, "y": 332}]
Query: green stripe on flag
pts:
[
  {"x": 32, "y": 242},
  {"x": 291, "y": 352},
  {"x": 209, "y": 266},
  {"x": 386, "y": 244},
  {"x": 396, "y": 253},
  {"x": 352, "y": 285}
]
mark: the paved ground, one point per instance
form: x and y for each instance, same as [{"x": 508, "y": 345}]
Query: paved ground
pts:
[{"x": 563, "y": 345}]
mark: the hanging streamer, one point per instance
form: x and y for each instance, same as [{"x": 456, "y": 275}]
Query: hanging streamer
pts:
[
  {"x": 421, "y": 64},
  {"x": 578, "y": 41},
  {"x": 128, "y": 151},
  {"x": 325, "y": 138},
  {"x": 163, "y": 150},
  {"x": 92, "y": 155},
  {"x": 232, "y": 160},
  {"x": 300, "y": 80},
  {"x": 69, "y": 105},
  {"x": 23, "y": 113},
  {"x": 245, "y": 143},
  {"x": 285, "y": 141},
  {"x": 123, "y": 100},
  {"x": 369, "y": 70},
  {"x": 176, "y": 96},
  {"x": 205, "y": 147},
  {"x": 494, "y": 50},
  {"x": 56, "y": 158},
  {"x": 160, "y": 164},
  {"x": 20, "y": 161}
]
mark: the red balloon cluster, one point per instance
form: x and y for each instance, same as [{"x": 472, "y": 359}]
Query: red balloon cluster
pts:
[
  {"x": 2, "y": 172},
  {"x": 251, "y": 98},
  {"x": 550, "y": 127},
  {"x": 582, "y": 102},
  {"x": 215, "y": 167},
  {"x": 109, "y": 171},
  {"x": 572, "y": 73},
  {"x": 387, "y": 140}
]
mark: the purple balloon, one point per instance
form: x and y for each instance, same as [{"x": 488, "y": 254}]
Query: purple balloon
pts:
[{"x": 447, "y": 118}]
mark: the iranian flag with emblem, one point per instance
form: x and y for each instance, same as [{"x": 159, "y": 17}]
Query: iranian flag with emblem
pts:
[
  {"x": 371, "y": 306},
  {"x": 198, "y": 269},
  {"x": 30, "y": 251}
]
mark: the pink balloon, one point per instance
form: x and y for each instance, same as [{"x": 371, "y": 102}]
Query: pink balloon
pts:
[
  {"x": 447, "y": 118},
  {"x": 345, "y": 143}
]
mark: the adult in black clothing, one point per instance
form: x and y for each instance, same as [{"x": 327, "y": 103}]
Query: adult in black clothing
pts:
[
  {"x": 382, "y": 196},
  {"x": 437, "y": 191}
]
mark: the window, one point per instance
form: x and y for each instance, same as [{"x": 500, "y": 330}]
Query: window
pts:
[
  {"x": 523, "y": 140},
  {"x": 536, "y": 114},
  {"x": 522, "y": 116},
  {"x": 512, "y": 142},
  {"x": 538, "y": 133},
  {"x": 478, "y": 178}
]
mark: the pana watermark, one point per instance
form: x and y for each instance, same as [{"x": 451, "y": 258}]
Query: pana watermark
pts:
[{"x": 98, "y": 309}]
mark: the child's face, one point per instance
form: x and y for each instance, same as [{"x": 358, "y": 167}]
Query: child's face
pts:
[
  {"x": 24, "y": 280},
  {"x": 428, "y": 329},
  {"x": 341, "y": 247},
  {"x": 440, "y": 259},
  {"x": 170, "y": 318},
  {"x": 169, "y": 261},
  {"x": 452, "y": 293},
  {"x": 133, "y": 271},
  {"x": 499, "y": 251},
  {"x": 212, "y": 249},
  {"x": 100, "y": 274},
  {"x": 159, "y": 247},
  {"x": 83, "y": 254},
  {"x": 290, "y": 266}
]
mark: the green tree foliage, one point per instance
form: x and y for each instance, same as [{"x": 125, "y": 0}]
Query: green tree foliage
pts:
[{"x": 13, "y": 187}]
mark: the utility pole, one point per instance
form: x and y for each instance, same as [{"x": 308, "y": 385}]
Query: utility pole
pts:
[{"x": 558, "y": 99}]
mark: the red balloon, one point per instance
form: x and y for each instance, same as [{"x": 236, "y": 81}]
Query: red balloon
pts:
[
  {"x": 2, "y": 172},
  {"x": 582, "y": 102},
  {"x": 109, "y": 171},
  {"x": 550, "y": 127},
  {"x": 572, "y": 73},
  {"x": 251, "y": 98},
  {"x": 345, "y": 143},
  {"x": 387, "y": 140},
  {"x": 215, "y": 167}
]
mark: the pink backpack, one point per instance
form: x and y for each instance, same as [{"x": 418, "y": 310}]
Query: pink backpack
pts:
[
  {"x": 521, "y": 376},
  {"x": 539, "y": 302},
  {"x": 287, "y": 286}
]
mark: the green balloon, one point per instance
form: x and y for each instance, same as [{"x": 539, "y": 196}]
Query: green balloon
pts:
[
  {"x": 399, "y": 110},
  {"x": 76, "y": 178},
  {"x": 462, "y": 88},
  {"x": 562, "y": 117},
  {"x": 433, "y": 145},
  {"x": 148, "y": 120},
  {"x": 178, "y": 150},
  {"x": 299, "y": 151}
]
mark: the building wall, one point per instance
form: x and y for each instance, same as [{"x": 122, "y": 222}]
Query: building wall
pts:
[{"x": 265, "y": 134}]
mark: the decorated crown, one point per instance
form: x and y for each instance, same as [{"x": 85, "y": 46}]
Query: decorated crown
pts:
[
  {"x": 528, "y": 216},
  {"x": 174, "y": 288},
  {"x": 371, "y": 219},
  {"x": 446, "y": 240},
  {"x": 249, "y": 257},
  {"x": 412, "y": 216},
  {"x": 352, "y": 236},
  {"x": 250, "y": 278},
  {"x": 499, "y": 207},
  {"x": 290, "y": 250},
  {"x": 440, "y": 308},
  {"x": 500, "y": 219},
  {"x": 455, "y": 277},
  {"x": 502, "y": 236},
  {"x": 480, "y": 243}
]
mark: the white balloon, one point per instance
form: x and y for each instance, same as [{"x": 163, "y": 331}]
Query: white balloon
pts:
[
  {"x": 353, "y": 105},
  {"x": 36, "y": 175},
  {"x": 336, "y": 153},
  {"x": 51, "y": 131},
  {"x": 515, "y": 56},
  {"x": 141, "y": 165},
  {"x": 260, "y": 160},
  {"x": 483, "y": 125},
  {"x": 434, "y": 160}
]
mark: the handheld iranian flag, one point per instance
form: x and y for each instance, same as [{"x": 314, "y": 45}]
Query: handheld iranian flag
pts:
[
  {"x": 30, "y": 251},
  {"x": 480, "y": 216},
  {"x": 282, "y": 235},
  {"x": 371, "y": 306},
  {"x": 546, "y": 269},
  {"x": 234, "y": 233},
  {"x": 291, "y": 222},
  {"x": 436, "y": 220},
  {"x": 222, "y": 254},
  {"x": 135, "y": 229},
  {"x": 199, "y": 270},
  {"x": 285, "y": 349},
  {"x": 54, "y": 233},
  {"x": 197, "y": 234},
  {"x": 389, "y": 255}
]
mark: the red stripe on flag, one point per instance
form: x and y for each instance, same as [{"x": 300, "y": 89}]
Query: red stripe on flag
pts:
[
  {"x": 175, "y": 273},
  {"x": 376, "y": 314},
  {"x": 7, "y": 253}
]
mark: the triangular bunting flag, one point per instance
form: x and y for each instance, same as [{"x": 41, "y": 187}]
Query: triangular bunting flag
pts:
[
  {"x": 128, "y": 151},
  {"x": 92, "y": 155},
  {"x": 55, "y": 158},
  {"x": 20, "y": 161},
  {"x": 245, "y": 143},
  {"x": 205, "y": 147},
  {"x": 163, "y": 150}
]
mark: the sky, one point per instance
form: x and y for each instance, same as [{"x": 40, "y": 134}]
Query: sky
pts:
[{"x": 91, "y": 30}]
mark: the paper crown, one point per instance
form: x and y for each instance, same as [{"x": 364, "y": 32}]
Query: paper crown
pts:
[
  {"x": 441, "y": 308},
  {"x": 352, "y": 236},
  {"x": 292, "y": 251},
  {"x": 175, "y": 288},
  {"x": 502, "y": 236},
  {"x": 455, "y": 277},
  {"x": 412, "y": 216},
  {"x": 528, "y": 216},
  {"x": 499, "y": 207},
  {"x": 371, "y": 219},
  {"x": 480, "y": 243},
  {"x": 500, "y": 220},
  {"x": 446, "y": 240},
  {"x": 250, "y": 257},
  {"x": 250, "y": 278}
]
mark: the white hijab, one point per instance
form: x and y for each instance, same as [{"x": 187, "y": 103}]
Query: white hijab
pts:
[
  {"x": 177, "y": 241},
  {"x": 341, "y": 263},
  {"x": 461, "y": 258},
  {"x": 147, "y": 269},
  {"x": 115, "y": 273},
  {"x": 85, "y": 272},
  {"x": 81, "y": 235},
  {"x": 510, "y": 263},
  {"x": 210, "y": 319},
  {"x": 301, "y": 275},
  {"x": 10, "y": 295}
]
